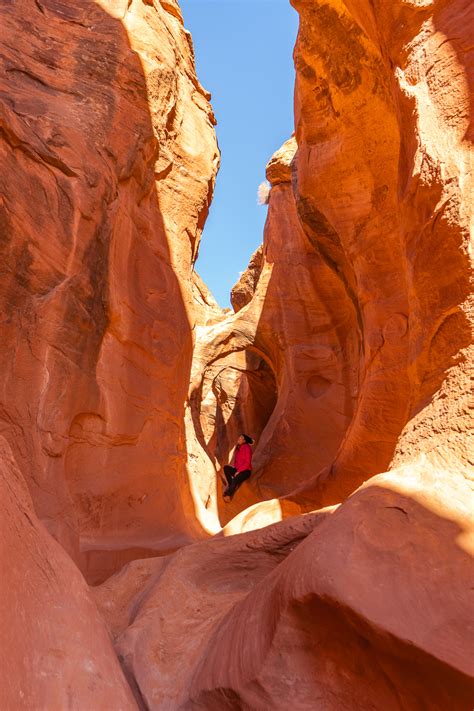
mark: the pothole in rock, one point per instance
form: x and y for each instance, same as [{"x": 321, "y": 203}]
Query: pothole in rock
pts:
[{"x": 241, "y": 396}]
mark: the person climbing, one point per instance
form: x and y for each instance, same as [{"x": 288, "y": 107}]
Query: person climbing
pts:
[{"x": 241, "y": 467}]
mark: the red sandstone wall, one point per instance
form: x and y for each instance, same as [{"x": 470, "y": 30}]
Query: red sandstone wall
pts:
[
  {"x": 109, "y": 157},
  {"x": 348, "y": 356},
  {"x": 55, "y": 650},
  {"x": 382, "y": 191},
  {"x": 361, "y": 309}
]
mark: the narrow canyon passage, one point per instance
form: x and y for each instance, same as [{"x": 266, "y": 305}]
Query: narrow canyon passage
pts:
[{"x": 339, "y": 575}]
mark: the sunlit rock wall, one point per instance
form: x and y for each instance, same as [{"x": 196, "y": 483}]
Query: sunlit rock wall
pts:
[
  {"x": 357, "y": 322},
  {"x": 364, "y": 606},
  {"x": 383, "y": 189},
  {"x": 277, "y": 368},
  {"x": 108, "y": 162},
  {"x": 360, "y": 306},
  {"x": 347, "y": 356}
]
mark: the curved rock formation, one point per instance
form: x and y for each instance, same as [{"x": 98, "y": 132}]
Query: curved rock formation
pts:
[
  {"x": 362, "y": 313},
  {"x": 160, "y": 649},
  {"x": 123, "y": 385},
  {"x": 361, "y": 607},
  {"x": 382, "y": 188},
  {"x": 281, "y": 357},
  {"x": 109, "y": 158},
  {"x": 244, "y": 290},
  {"x": 362, "y": 309},
  {"x": 55, "y": 652}
]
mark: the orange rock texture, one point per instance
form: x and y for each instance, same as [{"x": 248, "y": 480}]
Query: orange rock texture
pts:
[
  {"x": 382, "y": 189},
  {"x": 109, "y": 157},
  {"x": 361, "y": 606},
  {"x": 357, "y": 324},
  {"x": 283, "y": 362},
  {"x": 362, "y": 307},
  {"x": 55, "y": 651},
  {"x": 123, "y": 385}
]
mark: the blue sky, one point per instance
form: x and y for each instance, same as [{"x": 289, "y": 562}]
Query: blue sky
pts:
[{"x": 244, "y": 58}]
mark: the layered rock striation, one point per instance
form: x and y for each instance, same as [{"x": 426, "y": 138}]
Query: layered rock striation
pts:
[
  {"x": 361, "y": 311},
  {"x": 361, "y": 307},
  {"x": 109, "y": 158},
  {"x": 277, "y": 366},
  {"x": 124, "y": 385},
  {"x": 382, "y": 186},
  {"x": 361, "y": 606}
]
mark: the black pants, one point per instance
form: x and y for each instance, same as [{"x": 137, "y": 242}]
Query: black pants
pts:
[{"x": 235, "y": 480}]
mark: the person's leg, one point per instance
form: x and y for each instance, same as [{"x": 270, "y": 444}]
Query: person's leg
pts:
[
  {"x": 229, "y": 473},
  {"x": 237, "y": 481}
]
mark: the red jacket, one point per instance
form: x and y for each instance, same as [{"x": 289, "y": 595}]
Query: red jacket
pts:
[{"x": 243, "y": 457}]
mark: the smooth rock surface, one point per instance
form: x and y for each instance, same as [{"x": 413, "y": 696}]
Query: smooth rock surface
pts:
[
  {"x": 382, "y": 186},
  {"x": 362, "y": 310},
  {"x": 108, "y": 163},
  {"x": 282, "y": 368},
  {"x": 367, "y": 606},
  {"x": 162, "y": 630},
  {"x": 278, "y": 168},
  {"x": 55, "y": 652},
  {"x": 124, "y": 386}
]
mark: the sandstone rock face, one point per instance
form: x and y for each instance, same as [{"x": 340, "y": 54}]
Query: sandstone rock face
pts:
[
  {"x": 124, "y": 386},
  {"x": 279, "y": 166},
  {"x": 361, "y": 313},
  {"x": 277, "y": 366},
  {"x": 361, "y": 310},
  {"x": 163, "y": 630},
  {"x": 109, "y": 157},
  {"x": 362, "y": 607},
  {"x": 382, "y": 188},
  {"x": 244, "y": 290},
  {"x": 55, "y": 649}
]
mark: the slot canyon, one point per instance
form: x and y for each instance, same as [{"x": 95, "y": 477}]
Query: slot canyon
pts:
[{"x": 340, "y": 574}]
